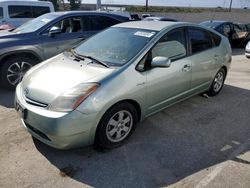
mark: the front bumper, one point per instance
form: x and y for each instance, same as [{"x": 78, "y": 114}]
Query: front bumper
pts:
[{"x": 57, "y": 129}]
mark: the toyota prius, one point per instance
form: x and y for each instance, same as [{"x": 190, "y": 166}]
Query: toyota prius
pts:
[{"x": 97, "y": 92}]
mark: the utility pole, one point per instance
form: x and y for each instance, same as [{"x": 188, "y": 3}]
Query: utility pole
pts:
[
  {"x": 98, "y": 4},
  {"x": 230, "y": 6},
  {"x": 146, "y": 5}
]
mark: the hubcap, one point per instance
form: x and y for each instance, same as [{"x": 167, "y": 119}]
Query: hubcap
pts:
[
  {"x": 16, "y": 71},
  {"x": 218, "y": 81},
  {"x": 119, "y": 126}
]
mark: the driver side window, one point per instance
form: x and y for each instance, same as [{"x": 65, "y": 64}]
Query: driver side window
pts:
[
  {"x": 172, "y": 45},
  {"x": 69, "y": 25}
]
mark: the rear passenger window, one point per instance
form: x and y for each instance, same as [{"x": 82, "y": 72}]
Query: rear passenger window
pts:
[
  {"x": 200, "y": 40},
  {"x": 1, "y": 12},
  {"x": 96, "y": 23},
  {"x": 20, "y": 11},
  {"x": 216, "y": 39},
  {"x": 172, "y": 45},
  {"x": 39, "y": 10}
]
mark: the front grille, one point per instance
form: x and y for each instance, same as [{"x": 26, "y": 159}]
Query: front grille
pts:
[
  {"x": 41, "y": 134},
  {"x": 35, "y": 103}
]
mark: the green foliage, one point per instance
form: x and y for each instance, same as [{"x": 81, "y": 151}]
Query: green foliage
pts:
[{"x": 54, "y": 2}]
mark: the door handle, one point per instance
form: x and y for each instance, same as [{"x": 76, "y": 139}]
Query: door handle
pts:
[{"x": 186, "y": 68}]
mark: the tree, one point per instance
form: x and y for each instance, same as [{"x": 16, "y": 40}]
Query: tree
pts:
[
  {"x": 54, "y": 2},
  {"x": 74, "y": 4}
]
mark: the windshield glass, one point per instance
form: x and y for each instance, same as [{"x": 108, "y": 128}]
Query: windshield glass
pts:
[
  {"x": 1, "y": 12},
  {"x": 210, "y": 24},
  {"x": 36, "y": 23},
  {"x": 116, "y": 46}
]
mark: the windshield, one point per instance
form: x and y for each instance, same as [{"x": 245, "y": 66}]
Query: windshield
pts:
[
  {"x": 36, "y": 23},
  {"x": 210, "y": 24},
  {"x": 116, "y": 46}
]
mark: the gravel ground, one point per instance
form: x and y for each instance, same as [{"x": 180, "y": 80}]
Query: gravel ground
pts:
[{"x": 201, "y": 142}]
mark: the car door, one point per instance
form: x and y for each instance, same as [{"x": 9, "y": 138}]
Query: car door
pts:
[
  {"x": 72, "y": 33},
  {"x": 204, "y": 58},
  {"x": 239, "y": 36},
  {"x": 168, "y": 85}
]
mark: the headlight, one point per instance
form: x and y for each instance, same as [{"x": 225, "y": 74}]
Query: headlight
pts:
[{"x": 71, "y": 99}]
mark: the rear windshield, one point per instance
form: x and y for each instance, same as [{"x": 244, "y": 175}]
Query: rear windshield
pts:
[
  {"x": 210, "y": 24},
  {"x": 1, "y": 12}
]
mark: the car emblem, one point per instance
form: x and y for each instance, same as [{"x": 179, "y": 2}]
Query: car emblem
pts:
[{"x": 26, "y": 91}]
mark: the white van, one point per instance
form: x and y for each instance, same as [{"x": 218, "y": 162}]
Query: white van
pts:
[{"x": 14, "y": 13}]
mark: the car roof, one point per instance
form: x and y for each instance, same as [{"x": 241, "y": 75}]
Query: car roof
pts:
[
  {"x": 215, "y": 21},
  {"x": 24, "y": 1},
  {"x": 84, "y": 12},
  {"x": 148, "y": 25}
]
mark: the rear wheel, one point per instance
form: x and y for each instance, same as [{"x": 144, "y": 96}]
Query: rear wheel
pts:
[
  {"x": 218, "y": 83},
  {"x": 116, "y": 126},
  {"x": 13, "y": 70}
]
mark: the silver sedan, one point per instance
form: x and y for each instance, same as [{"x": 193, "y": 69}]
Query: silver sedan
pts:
[{"x": 97, "y": 92}]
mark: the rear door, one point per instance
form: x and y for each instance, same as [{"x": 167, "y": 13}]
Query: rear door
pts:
[
  {"x": 239, "y": 36},
  {"x": 204, "y": 58}
]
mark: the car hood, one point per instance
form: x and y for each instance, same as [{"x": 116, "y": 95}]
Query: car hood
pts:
[
  {"x": 7, "y": 34},
  {"x": 44, "y": 82}
]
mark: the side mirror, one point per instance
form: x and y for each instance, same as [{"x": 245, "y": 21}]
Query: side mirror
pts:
[
  {"x": 160, "y": 61},
  {"x": 54, "y": 30}
]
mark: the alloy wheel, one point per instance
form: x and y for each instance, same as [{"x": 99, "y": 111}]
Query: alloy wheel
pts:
[
  {"x": 16, "y": 72},
  {"x": 119, "y": 126}
]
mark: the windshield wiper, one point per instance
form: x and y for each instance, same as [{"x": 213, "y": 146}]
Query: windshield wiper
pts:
[
  {"x": 82, "y": 57},
  {"x": 96, "y": 60},
  {"x": 78, "y": 56}
]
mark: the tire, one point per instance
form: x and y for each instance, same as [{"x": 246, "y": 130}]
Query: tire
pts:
[
  {"x": 218, "y": 83},
  {"x": 13, "y": 69},
  {"x": 113, "y": 122},
  {"x": 248, "y": 57}
]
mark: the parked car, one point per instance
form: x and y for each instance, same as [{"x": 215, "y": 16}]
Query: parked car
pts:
[
  {"x": 146, "y": 15},
  {"x": 14, "y": 13},
  {"x": 160, "y": 19},
  {"x": 244, "y": 27},
  {"x": 98, "y": 92},
  {"x": 247, "y": 50},
  {"x": 135, "y": 16},
  {"x": 44, "y": 37},
  {"x": 237, "y": 36}
]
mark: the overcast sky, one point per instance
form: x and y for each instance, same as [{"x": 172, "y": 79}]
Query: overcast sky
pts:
[{"x": 193, "y": 3}]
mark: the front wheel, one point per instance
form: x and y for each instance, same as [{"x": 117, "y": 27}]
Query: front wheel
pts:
[
  {"x": 116, "y": 126},
  {"x": 218, "y": 83},
  {"x": 13, "y": 70}
]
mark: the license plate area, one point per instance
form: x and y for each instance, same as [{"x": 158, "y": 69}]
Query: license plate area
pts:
[{"x": 21, "y": 111}]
